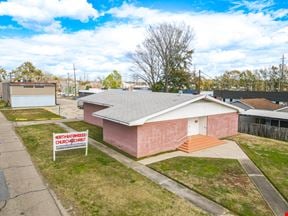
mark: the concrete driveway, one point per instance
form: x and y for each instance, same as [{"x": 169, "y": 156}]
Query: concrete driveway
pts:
[{"x": 67, "y": 108}]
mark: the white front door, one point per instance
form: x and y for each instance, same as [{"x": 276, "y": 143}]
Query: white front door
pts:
[
  {"x": 193, "y": 126},
  {"x": 203, "y": 125}
]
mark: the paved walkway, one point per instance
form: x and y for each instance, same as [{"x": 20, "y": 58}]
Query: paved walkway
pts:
[
  {"x": 229, "y": 150},
  {"x": 167, "y": 183},
  {"x": 28, "y": 195},
  {"x": 274, "y": 199},
  {"x": 232, "y": 151}
]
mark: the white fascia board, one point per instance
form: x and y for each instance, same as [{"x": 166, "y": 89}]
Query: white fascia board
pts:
[
  {"x": 282, "y": 108},
  {"x": 96, "y": 103},
  {"x": 224, "y": 104},
  {"x": 110, "y": 119},
  {"x": 144, "y": 119},
  {"x": 141, "y": 121}
]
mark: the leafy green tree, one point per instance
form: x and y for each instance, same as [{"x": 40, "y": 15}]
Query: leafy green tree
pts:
[
  {"x": 113, "y": 80},
  {"x": 229, "y": 80},
  {"x": 178, "y": 80},
  {"x": 3, "y": 74},
  {"x": 27, "y": 71},
  {"x": 248, "y": 80}
]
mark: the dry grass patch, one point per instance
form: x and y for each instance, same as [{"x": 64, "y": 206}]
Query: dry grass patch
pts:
[
  {"x": 221, "y": 180},
  {"x": 98, "y": 184}
]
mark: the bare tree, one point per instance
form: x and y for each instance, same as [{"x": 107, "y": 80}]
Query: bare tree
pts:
[
  {"x": 3, "y": 74},
  {"x": 165, "y": 52},
  {"x": 146, "y": 64}
]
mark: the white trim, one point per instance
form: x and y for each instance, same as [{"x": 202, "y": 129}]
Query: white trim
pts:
[
  {"x": 223, "y": 103},
  {"x": 282, "y": 108},
  {"x": 141, "y": 121}
]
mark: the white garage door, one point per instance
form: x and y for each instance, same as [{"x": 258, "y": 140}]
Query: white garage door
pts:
[{"x": 32, "y": 100}]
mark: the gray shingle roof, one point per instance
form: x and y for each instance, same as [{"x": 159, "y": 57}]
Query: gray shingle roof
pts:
[
  {"x": 126, "y": 106},
  {"x": 266, "y": 113}
]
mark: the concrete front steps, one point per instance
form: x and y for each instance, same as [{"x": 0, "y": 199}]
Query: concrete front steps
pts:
[{"x": 198, "y": 142}]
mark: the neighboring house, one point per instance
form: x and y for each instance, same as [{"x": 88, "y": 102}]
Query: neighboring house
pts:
[
  {"x": 264, "y": 123},
  {"x": 282, "y": 109},
  {"x": 83, "y": 93},
  {"x": 231, "y": 96},
  {"x": 265, "y": 117},
  {"x": 256, "y": 103},
  {"x": 146, "y": 123},
  {"x": 28, "y": 94}
]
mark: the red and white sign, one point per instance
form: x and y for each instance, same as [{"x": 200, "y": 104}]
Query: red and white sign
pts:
[{"x": 67, "y": 141}]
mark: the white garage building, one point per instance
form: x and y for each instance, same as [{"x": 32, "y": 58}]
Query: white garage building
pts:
[{"x": 28, "y": 94}]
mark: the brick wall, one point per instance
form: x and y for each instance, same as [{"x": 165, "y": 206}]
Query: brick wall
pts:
[
  {"x": 161, "y": 136},
  {"x": 88, "y": 110},
  {"x": 120, "y": 136},
  {"x": 222, "y": 125}
]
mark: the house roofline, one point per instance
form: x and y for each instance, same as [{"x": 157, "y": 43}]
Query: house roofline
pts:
[
  {"x": 282, "y": 108},
  {"x": 142, "y": 120},
  {"x": 246, "y": 104}
]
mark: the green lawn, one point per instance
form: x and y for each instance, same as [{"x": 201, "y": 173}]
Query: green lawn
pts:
[
  {"x": 222, "y": 180},
  {"x": 270, "y": 155},
  {"x": 3, "y": 104},
  {"x": 95, "y": 132},
  {"x": 98, "y": 184},
  {"x": 29, "y": 114}
]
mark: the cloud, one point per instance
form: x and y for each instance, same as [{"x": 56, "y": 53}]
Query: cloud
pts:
[
  {"x": 224, "y": 41},
  {"x": 8, "y": 27},
  {"x": 95, "y": 52},
  {"x": 258, "y": 5},
  {"x": 31, "y": 13}
]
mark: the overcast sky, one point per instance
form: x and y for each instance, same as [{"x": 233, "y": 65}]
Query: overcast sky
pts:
[{"x": 97, "y": 35}]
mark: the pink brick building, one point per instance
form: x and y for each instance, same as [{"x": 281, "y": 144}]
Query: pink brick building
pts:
[{"x": 146, "y": 123}]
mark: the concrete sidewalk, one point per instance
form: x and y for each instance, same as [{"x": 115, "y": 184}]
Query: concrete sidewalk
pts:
[
  {"x": 274, "y": 199},
  {"x": 167, "y": 183},
  {"x": 28, "y": 195}
]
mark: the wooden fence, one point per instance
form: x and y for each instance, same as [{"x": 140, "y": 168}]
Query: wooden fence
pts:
[{"x": 264, "y": 131}]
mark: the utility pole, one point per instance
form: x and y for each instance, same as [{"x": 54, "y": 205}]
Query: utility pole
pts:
[
  {"x": 199, "y": 81},
  {"x": 282, "y": 73},
  {"x": 68, "y": 87},
  {"x": 75, "y": 85}
]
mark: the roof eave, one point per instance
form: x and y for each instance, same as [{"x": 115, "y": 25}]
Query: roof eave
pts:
[
  {"x": 111, "y": 119},
  {"x": 224, "y": 104},
  {"x": 142, "y": 120}
]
